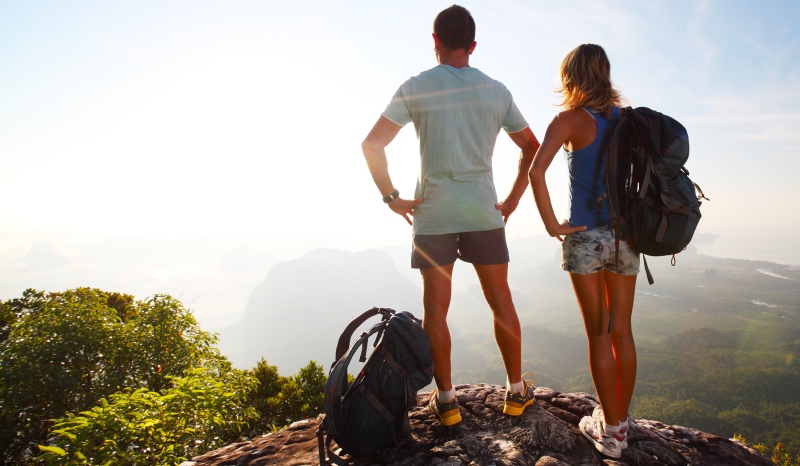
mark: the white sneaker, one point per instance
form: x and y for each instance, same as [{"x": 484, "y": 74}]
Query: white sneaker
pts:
[
  {"x": 598, "y": 414},
  {"x": 592, "y": 429}
]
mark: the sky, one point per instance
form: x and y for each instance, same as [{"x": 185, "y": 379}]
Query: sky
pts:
[{"x": 186, "y": 146}]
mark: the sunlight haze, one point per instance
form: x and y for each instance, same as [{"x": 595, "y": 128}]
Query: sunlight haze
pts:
[{"x": 187, "y": 147}]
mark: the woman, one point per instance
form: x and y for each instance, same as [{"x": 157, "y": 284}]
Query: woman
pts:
[{"x": 588, "y": 251}]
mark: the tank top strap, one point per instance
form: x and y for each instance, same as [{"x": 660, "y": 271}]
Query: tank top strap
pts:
[{"x": 595, "y": 114}]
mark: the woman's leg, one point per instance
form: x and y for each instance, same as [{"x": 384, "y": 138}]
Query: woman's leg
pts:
[
  {"x": 590, "y": 290},
  {"x": 622, "y": 338},
  {"x": 612, "y": 357}
]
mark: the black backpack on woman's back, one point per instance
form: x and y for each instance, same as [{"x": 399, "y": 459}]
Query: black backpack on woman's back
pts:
[{"x": 653, "y": 204}]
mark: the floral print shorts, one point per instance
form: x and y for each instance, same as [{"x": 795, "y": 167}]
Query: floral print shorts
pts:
[{"x": 592, "y": 251}]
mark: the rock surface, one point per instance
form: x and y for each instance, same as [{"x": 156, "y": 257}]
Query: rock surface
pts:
[{"x": 546, "y": 434}]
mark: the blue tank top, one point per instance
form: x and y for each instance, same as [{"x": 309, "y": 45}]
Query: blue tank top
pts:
[{"x": 586, "y": 169}]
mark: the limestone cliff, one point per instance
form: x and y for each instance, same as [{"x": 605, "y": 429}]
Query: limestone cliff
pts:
[{"x": 545, "y": 435}]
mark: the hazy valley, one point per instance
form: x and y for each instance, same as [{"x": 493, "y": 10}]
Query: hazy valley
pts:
[
  {"x": 308, "y": 301},
  {"x": 718, "y": 339}
]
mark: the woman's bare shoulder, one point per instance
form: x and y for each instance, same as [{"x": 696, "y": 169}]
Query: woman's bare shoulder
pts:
[
  {"x": 576, "y": 126},
  {"x": 569, "y": 117}
]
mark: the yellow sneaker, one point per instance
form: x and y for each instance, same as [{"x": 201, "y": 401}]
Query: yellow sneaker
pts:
[
  {"x": 515, "y": 403},
  {"x": 448, "y": 413}
]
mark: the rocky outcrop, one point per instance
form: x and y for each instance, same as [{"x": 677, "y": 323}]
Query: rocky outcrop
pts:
[{"x": 546, "y": 434}]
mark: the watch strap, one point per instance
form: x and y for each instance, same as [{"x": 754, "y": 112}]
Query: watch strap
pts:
[{"x": 394, "y": 195}]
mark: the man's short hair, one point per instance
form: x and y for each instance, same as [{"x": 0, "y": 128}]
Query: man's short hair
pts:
[{"x": 455, "y": 28}]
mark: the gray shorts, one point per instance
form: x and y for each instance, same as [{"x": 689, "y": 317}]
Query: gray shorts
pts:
[
  {"x": 592, "y": 251},
  {"x": 476, "y": 247}
]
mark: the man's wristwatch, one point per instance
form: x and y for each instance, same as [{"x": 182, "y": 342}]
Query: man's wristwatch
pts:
[{"x": 394, "y": 195}]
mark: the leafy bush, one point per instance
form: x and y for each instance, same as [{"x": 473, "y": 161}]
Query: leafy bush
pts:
[
  {"x": 779, "y": 455},
  {"x": 62, "y": 352},
  {"x": 201, "y": 412},
  {"x": 281, "y": 400}
]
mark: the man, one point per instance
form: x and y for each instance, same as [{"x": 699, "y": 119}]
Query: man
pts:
[{"x": 458, "y": 112}]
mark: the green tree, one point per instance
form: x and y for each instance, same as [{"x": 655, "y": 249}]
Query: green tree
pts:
[
  {"x": 199, "y": 413},
  {"x": 311, "y": 380},
  {"x": 301, "y": 396},
  {"x": 280, "y": 400},
  {"x": 62, "y": 352},
  {"x": 268, "y": 388}
]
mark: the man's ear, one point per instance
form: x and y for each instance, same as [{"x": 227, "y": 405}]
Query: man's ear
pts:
[
  {"x": 472, "y": 49},
  {"x": 435, "y": 41}
]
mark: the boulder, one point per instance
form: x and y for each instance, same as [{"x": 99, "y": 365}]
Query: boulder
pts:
[{"x": 546, "y": 434}]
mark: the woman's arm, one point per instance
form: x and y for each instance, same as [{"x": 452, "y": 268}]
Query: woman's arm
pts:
[{"x": 558, "y": 132}]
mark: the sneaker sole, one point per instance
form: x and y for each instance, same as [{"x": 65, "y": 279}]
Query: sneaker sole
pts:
[
  {"x": 600, "y": 447},
  {"x": 517, "y": 410}
]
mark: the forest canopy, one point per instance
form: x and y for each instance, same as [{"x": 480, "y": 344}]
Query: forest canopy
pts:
[
  {"x": 94, "y": 377},
  {"x": 88, "y": 376}
]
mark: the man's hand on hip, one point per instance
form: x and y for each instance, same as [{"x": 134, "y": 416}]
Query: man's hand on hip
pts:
[
  {"x": 404, "y": 207},
  {"x": 507, "y": 207}
]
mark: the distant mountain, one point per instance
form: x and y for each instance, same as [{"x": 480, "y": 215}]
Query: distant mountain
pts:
[{"x": 298, "y": 312}]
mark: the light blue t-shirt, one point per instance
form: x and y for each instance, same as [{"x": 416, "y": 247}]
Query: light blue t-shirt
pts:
[{"x": 457, "y": 114}]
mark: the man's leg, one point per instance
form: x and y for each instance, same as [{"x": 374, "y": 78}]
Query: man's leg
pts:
[
  {"x": 436, "y": 288},
  {"x": 494, "y": 282}
]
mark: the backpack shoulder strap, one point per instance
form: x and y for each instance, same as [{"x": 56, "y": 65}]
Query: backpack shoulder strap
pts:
[
  {"x": 611, "y": 195},
  {"x": 648, "y": 132},
  {"x": 326, "y": 456}
]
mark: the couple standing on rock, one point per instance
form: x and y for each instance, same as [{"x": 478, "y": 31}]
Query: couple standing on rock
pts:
[{"x": 458, "y": 112}]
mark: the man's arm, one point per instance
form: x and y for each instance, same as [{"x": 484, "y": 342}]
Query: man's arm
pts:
[
  {"x": 374, "y": 147},
  {"x": 528, "y": 145}
]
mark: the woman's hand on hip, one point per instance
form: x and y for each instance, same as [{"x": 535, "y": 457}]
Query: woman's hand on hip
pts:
[{"x": 564, "y": 229}]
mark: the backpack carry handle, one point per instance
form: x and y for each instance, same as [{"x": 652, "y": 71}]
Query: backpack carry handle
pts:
[{"x": 344, "y": 339}]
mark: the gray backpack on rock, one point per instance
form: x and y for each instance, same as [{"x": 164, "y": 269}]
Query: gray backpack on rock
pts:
[{"x": 372, "y": 413}]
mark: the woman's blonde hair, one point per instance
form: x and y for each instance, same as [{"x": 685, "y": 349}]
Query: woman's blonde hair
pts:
[{"x": 586, "y": 80}]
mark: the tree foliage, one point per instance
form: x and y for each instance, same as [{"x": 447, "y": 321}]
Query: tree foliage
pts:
[
  {"x": 281, "y": 400},
  {"x": 199, "y": 413},
  {"x": 91, "y": 377},
  {"x": 711, "y": 381},
  {"x": 779, "y": 455},
  {"x": 62, "y": 352}
]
